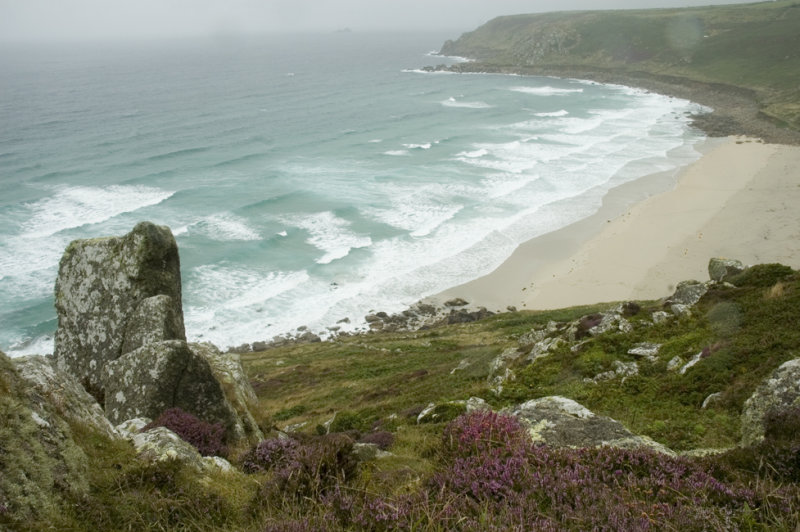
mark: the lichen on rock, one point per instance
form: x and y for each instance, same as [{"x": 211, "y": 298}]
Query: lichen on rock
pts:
[{"x": 99, "y": 294}]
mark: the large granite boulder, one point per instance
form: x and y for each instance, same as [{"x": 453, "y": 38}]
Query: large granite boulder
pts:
[
  {"x": 103, "y": 298},
  {"x": 227, "y": 369},
  {"x": 720, "y": 269},
  {"x": 687, "y": 293},
  {"x": 561, "y": 422},
  {"x": 781, "y": 391},
  {"x": 158, "y": 376},
  {"x": 40, "y": 463},
  {"x": 60, "y": 388}
]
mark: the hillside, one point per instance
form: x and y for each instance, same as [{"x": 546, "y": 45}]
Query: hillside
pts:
[
  {"x": 748, "y": 53},
  {"x": 681, "y": 378}
]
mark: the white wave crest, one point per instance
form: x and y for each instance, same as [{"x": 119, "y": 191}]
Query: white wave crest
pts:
[
  {"x": 330, "y": 234},
  {"x": 473, "y": 154},
  {"x": 452, "y": 102},
  {"x": 425, "y": 146},
  {"x": 225, "y": 227},
  {"x": 396, "y": 153},
  {"x": 72, "y": 207},
  {"x": 562, "y": 112}
]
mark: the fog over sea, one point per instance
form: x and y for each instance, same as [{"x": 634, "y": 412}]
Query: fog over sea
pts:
[{"x": 307, "y": 179}]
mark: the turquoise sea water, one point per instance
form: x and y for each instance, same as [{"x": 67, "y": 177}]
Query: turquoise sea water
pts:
[{"x": 307, "y": 179}]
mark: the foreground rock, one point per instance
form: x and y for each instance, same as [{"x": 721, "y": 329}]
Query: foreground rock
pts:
[
  {"x": 40, "y": 463},
  {"x": 60, "y": 388},
  {"x": 158, "y": 376},
  {"x": 780, "y": 392},
  {"x": 114, "y": 295},
  {"x": 561, "y": 422},
  {"x": 720, "y": 269}
]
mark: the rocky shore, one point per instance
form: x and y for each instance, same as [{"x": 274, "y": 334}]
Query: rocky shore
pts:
[{"x": 735, "y": 109}]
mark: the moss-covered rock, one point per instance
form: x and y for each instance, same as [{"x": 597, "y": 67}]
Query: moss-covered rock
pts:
[
  {"x": 102, "y": 297},
  {"x": 40, "y": 463}
]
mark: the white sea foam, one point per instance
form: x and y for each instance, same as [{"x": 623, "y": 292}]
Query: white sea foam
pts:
[
  {"x": 452, "y": 102},
  {"x": 396, "y": 153},
  {"x": 418, "y": 211},
  {"x": 545, "y": 91},
  {"x": 562, "y": 112},
  {"x": 225, "y": 227},
  {"x": 375, "y": 141},
  {"x": 330, "y": 234},
  {"x": 425, "y": 146},
  {"x": 71, "y": 207},
  {"x": 473, "y": 154}
]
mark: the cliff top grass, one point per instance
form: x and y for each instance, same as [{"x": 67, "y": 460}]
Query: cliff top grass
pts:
[
  {"x": 751, "y": 47},
  {"x": 378, "y": 379}
]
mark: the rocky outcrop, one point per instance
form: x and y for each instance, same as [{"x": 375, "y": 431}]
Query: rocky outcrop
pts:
[
  {"x": 121, "y": 334},
  {"x": 720, "y": 269},
  {"x": 561, "y": 422},
  {"x": 781, "y": 391},
  {"x": 40, "y": 463},
  {"x": 158, "y": 376},
  {"x": 688, "y": 293},
  {"x": 160, "y": 444},
  {"x": 228, "y": 371},
  {"x": 103, "y": 299},
  {"x": 62, "y": 390}
]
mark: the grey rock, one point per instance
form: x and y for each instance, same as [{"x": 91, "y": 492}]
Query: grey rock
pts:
[
  {"x": 688, "y": 293},
  {"x": 680, "y": 310},
  {"x": 544, "y": 348},
  {"x": 720, "y": 269},
  {"x": 781, "y": 391},
  {"x": 100, "y": 286},
  {"x": 561, "y": 422},
  {"x": 531, "y": 337},
  {"x": 476, "y": 403},
  {"x": 647, "y": 350},
  {"x": 621, "y": 369},
  {"x": 155, "y": 319},
  {"x": 60, "y": 388},
  {"x": 145, "y": 382},
  {"x": 160, "y": 444},
  {"x": 659, "y": 316},
  {"x": 464, "y": 364},
  {"x": 675, "y": 363},
  {"x": 130, "y": 427},
  {"x": 228, "y": 371},
  {"x": 457, "y": 302},
  {"x": 711, "y": 399},
  {"x": 692, "y": 361}
]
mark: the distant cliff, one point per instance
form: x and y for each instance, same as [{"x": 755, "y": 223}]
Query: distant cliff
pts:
[{"x": 749, "y": 51}]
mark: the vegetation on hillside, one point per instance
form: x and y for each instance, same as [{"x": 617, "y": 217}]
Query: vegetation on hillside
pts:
[
  {"x": 481, "y": 471},
  {"x": 752, "y": 47}
]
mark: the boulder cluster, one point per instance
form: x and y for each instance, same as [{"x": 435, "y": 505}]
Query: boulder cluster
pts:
[{"x": 121, "y": 357}]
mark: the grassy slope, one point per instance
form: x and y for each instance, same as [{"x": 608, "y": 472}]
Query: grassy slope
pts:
[
  {"x": 382, "y": 380},
  {"x": 750, "y": 46},
  {"x": 750, "y": 330}
]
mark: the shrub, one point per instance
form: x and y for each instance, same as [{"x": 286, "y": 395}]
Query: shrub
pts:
[
  {"x": 382, "y": 439},
  {"x": 304, "y": 468},
  {"x": 207, "y": 438}
]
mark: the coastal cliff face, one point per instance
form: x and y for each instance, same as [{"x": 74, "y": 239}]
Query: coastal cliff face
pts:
[{"x": 748, "y": 53}]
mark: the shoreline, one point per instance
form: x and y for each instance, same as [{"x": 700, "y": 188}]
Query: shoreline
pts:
[
  {"x": 737, "y": 201},
  {"x": 736, "y": 110}
]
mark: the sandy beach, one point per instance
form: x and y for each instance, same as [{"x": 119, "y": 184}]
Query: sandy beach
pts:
[{"x": 740, "y": 200}]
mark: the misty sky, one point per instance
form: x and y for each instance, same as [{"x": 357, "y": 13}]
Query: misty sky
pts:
[{"x": 58, "y": 20}]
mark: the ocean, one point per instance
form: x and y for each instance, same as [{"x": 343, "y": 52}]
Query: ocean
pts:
[{"x": 307, "y": 179}]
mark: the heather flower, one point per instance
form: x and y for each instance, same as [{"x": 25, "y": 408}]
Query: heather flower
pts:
[{"x": 207, "y": 438}]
